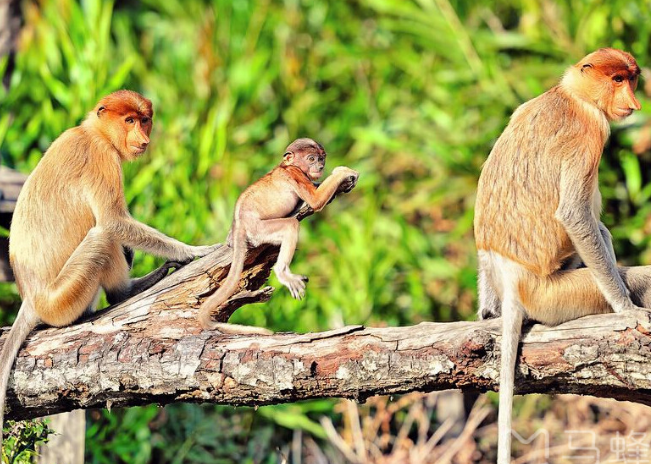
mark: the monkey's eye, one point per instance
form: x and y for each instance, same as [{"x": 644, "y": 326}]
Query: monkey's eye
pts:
[
  {"x": 129, "y": 120},
  {"x": 618, "y": 79},
  {"x": 311, "y": 159},
  {"x": 145, "y": 120}
]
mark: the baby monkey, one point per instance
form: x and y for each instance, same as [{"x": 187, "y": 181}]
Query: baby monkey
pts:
[{"x": 261, "y": 216}]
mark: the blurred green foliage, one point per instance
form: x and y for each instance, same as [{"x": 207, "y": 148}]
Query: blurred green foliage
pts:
[{"x": 412, "y": 93}]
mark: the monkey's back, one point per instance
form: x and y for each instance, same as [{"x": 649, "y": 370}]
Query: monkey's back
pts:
[
  {"x": 519, "y": 187},
  {"x": 270, "y": 197},
  {"x": 51, "y": 216}
]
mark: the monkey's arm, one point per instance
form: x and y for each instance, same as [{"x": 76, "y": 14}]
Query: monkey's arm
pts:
[
  {"x": 608, "y": 240},
  {"x": 133, "y": 233},
  {"x": 576, "y": 262},
  {"x": 111, "y": 214},
  {"x": 318, "y": 197},
  {"x": 575, "y": 213}
]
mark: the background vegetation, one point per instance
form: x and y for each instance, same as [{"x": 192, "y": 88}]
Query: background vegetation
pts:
[{"x": 412, "y": 93}]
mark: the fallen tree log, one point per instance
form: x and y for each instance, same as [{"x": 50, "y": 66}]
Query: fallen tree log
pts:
[{"x": 151, "y": 349}]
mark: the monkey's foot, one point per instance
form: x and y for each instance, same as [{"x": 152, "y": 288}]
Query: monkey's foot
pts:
[
  {"x": 488, "y": 313},
  {"x": 295, "y": 283},
  {"x": 176, "y": 264}
]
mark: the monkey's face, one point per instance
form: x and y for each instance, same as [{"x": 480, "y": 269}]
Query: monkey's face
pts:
[
  {"x": 128, "y": 132},
  {"x": 126, "y": 118},
  {"x": 310, "y": 160},
  {"x": 611, "y": 81},
  {"x": 624, "y": 101},
  {"x": 314, "y": 164},
  {"x": 137, "y": 128}
]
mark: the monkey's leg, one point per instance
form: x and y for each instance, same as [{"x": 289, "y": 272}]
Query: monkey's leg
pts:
[
  {"x": 74, "y": 289},
  {"x": 116, "y": 282},
  {"x": 227, "y": 289},
  {"x": 129, "y": 253},
  {"x": 140, "y": 284},
  {"x": 92, "y": 307},
  {"x": 565, "y": 295},
  {"x": 283, "y": 232},
  {"x": 489, "y": 302},
  {"x": 638, "y": 282}
]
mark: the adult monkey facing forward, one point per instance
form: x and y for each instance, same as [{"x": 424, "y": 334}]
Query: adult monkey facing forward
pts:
[
  {"x": 537, "y": 213},
  {"x": 71, "y": 232}
]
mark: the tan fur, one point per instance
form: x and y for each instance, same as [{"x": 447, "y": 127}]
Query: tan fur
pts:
[
  {"x": 261, "y": 216},
  {"x": 71, "y": 224},
  {"x": 529, "y": 234},
  {"x": 538, "y": 207}
]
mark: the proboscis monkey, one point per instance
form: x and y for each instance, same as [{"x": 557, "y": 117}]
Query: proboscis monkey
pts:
[
  {"x": 537, "y": 213},
  {"x": 71, "y": 232},
  {"x": 261, "y": 216}
]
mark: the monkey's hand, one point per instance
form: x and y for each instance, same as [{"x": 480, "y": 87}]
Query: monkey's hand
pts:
[
  {"x": 348, "y": 178},
  {"x": 201, "y": 251}
]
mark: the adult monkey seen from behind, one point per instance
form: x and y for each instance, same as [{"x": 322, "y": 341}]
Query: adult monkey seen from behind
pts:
[
  {"x": 261, "y": 216},
  {"x": 71, "y": 232},
  {"x": 537, "y": 213}
]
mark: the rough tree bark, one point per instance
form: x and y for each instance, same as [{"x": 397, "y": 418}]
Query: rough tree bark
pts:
[{"x": 151, "y": 349}]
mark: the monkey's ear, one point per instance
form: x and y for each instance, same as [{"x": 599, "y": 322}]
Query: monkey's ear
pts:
[
  {"x": 288, "y": 157},
  {"x": 587, "y": 65},
  {"x": 100, "y": 110}
]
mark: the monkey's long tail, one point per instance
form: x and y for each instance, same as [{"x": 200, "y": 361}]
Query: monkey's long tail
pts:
[
  {"x": 21, "y": 328},
  {"x": 228, "y": 287},
  {"x": 512, "y": 316}
]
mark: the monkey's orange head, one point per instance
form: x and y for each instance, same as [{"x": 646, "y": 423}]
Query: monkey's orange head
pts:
[
  {"x": 308, "y": 155},
  {"x": 608, "y": 78},
  {"x": 125, "y": 118}
]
